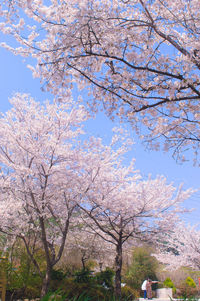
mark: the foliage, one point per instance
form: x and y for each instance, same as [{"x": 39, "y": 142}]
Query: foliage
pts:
[
  {"x": 82, "y": 297},
  {"x": 169, "y": 283},
  {"x": 105, "y": 277},
  {"x": 57, "y": 274},
  {"x": 54, "y": 296},
  {"x": 99, "y": 287},
  {"x": 91, "y": 264},
  {"x": 83, "y": 276},
  {"x": 186, "y": 291},
  {"x": 85, "y": 284},
  {"x": 143, "y": 266},
  {"x": 188, "y": 288},
  {"x": 190, "y": 282},
  {"x": 129, "y": 293},
  {"x": 90, "y": 289},
  {"x": 22, "y": 277}
]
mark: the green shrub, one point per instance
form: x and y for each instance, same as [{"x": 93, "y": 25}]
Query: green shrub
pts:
[
  {"x": 82, "y": 297},
  {"x": 187, "y": 292},
  {"x": 129, "y": 293},
  {"x": 143, "y": 266},
  {"x": 188, "y": 288},
  {"x": 83, "y": 276},
  {"x": 54, "y": 296},
  {"x": 23, "y": 281},
  {"x": 190, "y": 282},
  {"x": 20, "y": 290},
  {"x": 105, "y": 277},
  {"x": 169, "y": 283},
  {"x": 90, "y": 289}
]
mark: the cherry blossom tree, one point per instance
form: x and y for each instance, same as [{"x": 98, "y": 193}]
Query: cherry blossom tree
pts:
[
  {"x": 120, "y": 207},
  {"x": 38, "y": 189},
  {"x": 181, "y": 247},
  {"x": 139, "y": 58},
  {"x": 48, "y": 174},
  {"x": 46, "y": 171},
  {"x": 90, "y": 246}
]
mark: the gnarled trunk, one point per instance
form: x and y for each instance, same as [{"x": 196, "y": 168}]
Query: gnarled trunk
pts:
[{"x": 118, "y": 269}]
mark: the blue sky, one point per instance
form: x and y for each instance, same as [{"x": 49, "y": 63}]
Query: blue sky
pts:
[{"x": 15, "y": 77}]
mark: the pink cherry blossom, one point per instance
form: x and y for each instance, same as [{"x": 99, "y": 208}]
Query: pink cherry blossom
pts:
[
  {"x": 138, "y": 58},
  {"x": 52, "y": 180}
]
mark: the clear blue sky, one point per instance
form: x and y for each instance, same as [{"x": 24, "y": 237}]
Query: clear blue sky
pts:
[{"x": 15, "y": 77}]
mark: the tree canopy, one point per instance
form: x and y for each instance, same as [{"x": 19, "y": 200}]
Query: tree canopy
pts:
[
  {"x": 138, "y": 58},
  {"x": 181, "y": 247}
]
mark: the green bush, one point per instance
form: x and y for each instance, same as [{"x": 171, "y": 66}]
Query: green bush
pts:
[
  {"x": 23, "y": 280},
  {"x": 143, "y": 266},
  {"x": 83, "y": 276},
  {"x": 129, "y": 293},
  {"x": 74, "y": 291},
  {"x": 54, "y": 296},
  {"x": 190, "y": 282},
  {"x": 57, "y": 274},
  {"x": 169, "y": 283},
  {"x": 105, "y": 277},
  {"x": 20, "y": 289},
  {"x": 91, "y": 289},
  {"x": 188, "y": 288}
]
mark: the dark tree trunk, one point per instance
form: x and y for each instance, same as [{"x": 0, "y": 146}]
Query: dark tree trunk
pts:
[
  {"x": 83, "y": 262},
  {"x": 118, "y": 269},
  {"x": 46, "y": 282}
]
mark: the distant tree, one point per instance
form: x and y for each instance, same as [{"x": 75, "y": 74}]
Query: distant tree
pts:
[
  {"x": 181, "y": 247},
  {"x": 90, "y": 246},
  {"x": 143, "y": 266},
  {"x": 121, "y": 207}
]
